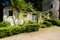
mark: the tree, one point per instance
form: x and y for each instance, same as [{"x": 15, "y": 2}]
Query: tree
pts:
[
  {"x": 22, "y": 5},
  {"x": 37, "y": 4}
]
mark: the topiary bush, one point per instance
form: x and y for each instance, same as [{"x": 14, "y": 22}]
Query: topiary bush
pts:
[
  {"x": 8, "y": 31},
  {"x": 51, "y": 21},
  {"x": 42, "y": 25},
  {"x": 57, "y": 22},
  {"x": 48, "y": 24},
  {"x": 4, "y": 24},
  {"x": 2, "y": 33},
  {"x": 12, "y": 30},
  {"x": 32, "y": 27},
  {"x": 30, "y": 22}
]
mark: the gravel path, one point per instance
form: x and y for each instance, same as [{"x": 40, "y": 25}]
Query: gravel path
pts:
[{"x": 52, "y": 33}]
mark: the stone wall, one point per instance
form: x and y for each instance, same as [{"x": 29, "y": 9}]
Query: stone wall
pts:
[
  {"x": 46, "y": 4},
  {"x": 55, "y": 9},
  {"x": 52, "y": 5},
  {"x": 6, "y": 17}
]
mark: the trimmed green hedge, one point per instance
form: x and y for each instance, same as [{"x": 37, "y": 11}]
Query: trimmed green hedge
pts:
[
  {"x": 51, "y": 21},
  {"x": 12, "y": 30},
  {"x": 8, "y": 31},
  {"x": 32, "y": 27},
  {"x": 42, "y": 25},
  {"x": 54, "y": 22},
  {"x": 57, "y": 22},
  {"x": 4, "y": 24},
  {"x": 48, "y": 24}
]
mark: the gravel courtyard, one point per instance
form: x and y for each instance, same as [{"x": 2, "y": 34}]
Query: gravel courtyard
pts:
[{"x": 52, "y": 33}]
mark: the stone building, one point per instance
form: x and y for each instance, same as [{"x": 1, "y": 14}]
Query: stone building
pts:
[
  {"x": 53, "y": 6},
  {"x": 10, "y": 13}
]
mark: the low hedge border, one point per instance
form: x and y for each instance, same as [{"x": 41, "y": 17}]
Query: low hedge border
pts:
[
  {"x": 12, "y": 30},
  {"x": 48, "y": 24},
  {"x": 54, "y": 22},
  {"x": 57, "y": 22},
  {"x": 51, "y": 21},
  {"x": 42, "y": 25}
]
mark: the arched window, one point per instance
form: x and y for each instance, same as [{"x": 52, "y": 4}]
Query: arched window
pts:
[{"x": 51, "y": 5}]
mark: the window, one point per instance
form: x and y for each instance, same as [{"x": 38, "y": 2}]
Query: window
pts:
[
  {"x": 52, "y": 6},
  {"x": 10, "y": 13},
  {"x": 34, "y": 17}
]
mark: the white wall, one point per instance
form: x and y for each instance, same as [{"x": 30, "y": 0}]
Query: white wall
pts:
[
  {"x": 29, "y": 16},
  {"x": 23, "y": 19},
  {"x": 14, "y": 20},
  {"x": 6, "y": 16}
]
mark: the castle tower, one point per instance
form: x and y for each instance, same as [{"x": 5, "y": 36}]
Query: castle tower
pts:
[
  {"x": 52, "y": 5},
  {"x": 55, "y": 9}
]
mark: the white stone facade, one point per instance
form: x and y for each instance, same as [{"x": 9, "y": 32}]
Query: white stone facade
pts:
[
  {"x": 29, "y": 15},
  {"x": 6, "y": 16},
  {"x": 13, "y": 19}
]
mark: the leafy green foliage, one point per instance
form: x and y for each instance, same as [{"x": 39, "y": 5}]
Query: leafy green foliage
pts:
[
  {"x": 42, "y": 25},
  {"x": 57, "y": 22},
  {"x": 32, "y": 27},
  {"x": 54, "y": 22},
  {"x": 47, "y": 23},
  {"x": 51, "y": 21},
  {"x": 12, "y": 30},
  {"x": 37, "y": 4},
  {"x": 22, "y": 5},
  {"x": 4, "y": 24}
]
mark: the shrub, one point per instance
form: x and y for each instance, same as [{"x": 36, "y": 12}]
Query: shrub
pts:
[
  {"x": 51, "y": 21},
  {"x": 57, "y": 22},
  {"x": 47, "y": 23},
  {"x": 8, "y": 31},
  {"x": 31, "y": 27},
  {"x": 42, "y": 25},
  {"x": 12, "y": 30},
  {"x": 30, "y": 22},
  {"x": 4, "y": 24},
  {"x": 2, "y": 32}
]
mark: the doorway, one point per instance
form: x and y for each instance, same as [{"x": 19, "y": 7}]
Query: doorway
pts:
[
  {"x": 11, "y": 18},
  {"x": 1, "y": 13},
  {"x": 34, "y": 17}
]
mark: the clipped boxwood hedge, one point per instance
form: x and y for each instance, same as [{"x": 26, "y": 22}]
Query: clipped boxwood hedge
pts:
[
  {"x": 42, "y": 25},
  {"x": 4, "y": 24},
  {"x": 32, "y": 27},
  {"x": 51, "y": 21},
  {"x": 8, "y": 31},
  {"x": 57, "y": 22},
  {"x": 12, "y": 30},
  {"x": 48, "y": 24}
]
